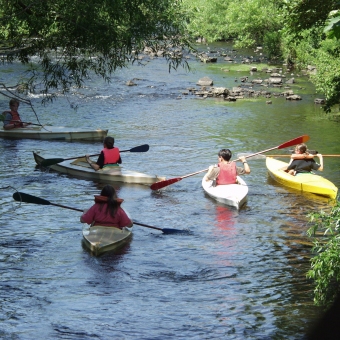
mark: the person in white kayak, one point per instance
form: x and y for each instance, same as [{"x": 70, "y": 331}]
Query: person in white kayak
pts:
[{"x": 226, "y": 171}]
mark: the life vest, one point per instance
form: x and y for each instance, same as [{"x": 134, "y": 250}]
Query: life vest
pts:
[
  {"x": 103, "y": 199},
  {"x": 15, "y": 117},
  {"x": 227, "y": 173},
  {"x": 111, "y": 156}
]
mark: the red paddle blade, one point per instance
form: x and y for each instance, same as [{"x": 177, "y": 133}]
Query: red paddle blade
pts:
[
  {"x": 297, "y": 140},
  {"x": 162, "y": 184}
]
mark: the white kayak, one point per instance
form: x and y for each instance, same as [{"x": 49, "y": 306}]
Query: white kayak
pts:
[
  {"x": 54, "y": 133},
  {"x": 234, "y": 195},
  {"x": 100, "y": 239},
  {"x": 81, "y": 169}
]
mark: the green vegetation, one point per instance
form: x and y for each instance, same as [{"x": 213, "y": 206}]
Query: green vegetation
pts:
[
  {"x": 325, "y": 268},
  {"x": 302, "y": 33},
  {"x": 74, "y": 38}
]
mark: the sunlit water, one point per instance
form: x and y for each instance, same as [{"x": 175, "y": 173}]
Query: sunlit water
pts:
[{"x": 238, "y": 275}]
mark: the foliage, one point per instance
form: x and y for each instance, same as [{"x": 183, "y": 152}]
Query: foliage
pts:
[
  {"x": 207, "y": 19},
  {"x": 305, "y": 14},
  {"x": 325, "y": 266},
  {"x": 249, "y": 21},
  {"x": 327, "y": 78},
  {"x": 63, "y": 41}
]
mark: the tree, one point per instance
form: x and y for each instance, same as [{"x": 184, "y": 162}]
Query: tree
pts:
[
  {"x": 73, "y": 38},
  {"x": 325, "y": 266}
]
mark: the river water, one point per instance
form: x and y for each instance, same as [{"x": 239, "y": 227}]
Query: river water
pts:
[{"x": 237, "y": 275}]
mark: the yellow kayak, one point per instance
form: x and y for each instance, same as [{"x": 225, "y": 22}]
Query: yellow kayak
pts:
[{"x": 303, "y": 182}]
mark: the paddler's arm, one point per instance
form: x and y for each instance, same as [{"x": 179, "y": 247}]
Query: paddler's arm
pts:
[
  {"x": 320, "y": 161},
  {"x": 245, "y": 165},
  {"x": 301, "y": 156},
  {"x": 93, "y": 165}
]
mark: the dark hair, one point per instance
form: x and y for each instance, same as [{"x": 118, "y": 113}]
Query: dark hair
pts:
[
  {"x": 14, "y": 101},
  {"x": 112, "y": 203},
  {"x": 109, "y": 142},
  {"x": 225, "y": 154}
]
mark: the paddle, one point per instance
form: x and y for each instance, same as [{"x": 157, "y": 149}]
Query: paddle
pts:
[
  {"x": 18, "y": 121},
  {"x": 297, "y": 140},
  {"x": 22, "y": 197},
  {"x": 290, "y": 155},
  {"x": 51, "y": 161}
]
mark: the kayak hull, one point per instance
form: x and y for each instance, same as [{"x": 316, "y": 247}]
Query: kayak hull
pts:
[
  {"x": 303, "y": 182},
  {"x": 60, "y": 133},
  {"x": 81, "y": 169},
  {"x": 234, "y": 195},
  {"x": 101, "y": 239}
]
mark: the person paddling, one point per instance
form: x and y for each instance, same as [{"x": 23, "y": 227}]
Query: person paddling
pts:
[
  {"x": 107, "y": 211},
  {"x": 12, "y": 118},
  {"x": 303, "y": 162},
  {"x": 226, "y": 171},
  {"x": 109, "y": 156}
]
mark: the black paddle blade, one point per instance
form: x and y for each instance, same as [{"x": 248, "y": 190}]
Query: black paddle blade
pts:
[
  {"x": 22, "y": 197},
  {"x": 175, "y": 231},
  {"x": 51, "y": 161},
  {"x": 141, "y": 148}
]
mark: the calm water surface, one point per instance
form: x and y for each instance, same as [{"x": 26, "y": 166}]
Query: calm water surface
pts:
[{"x": 238, "y": 275}]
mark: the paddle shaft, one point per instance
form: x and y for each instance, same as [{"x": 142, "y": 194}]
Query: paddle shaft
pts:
[
  {"x": 52, "y": 161},
  {"x": 297, "y": 140},
  {"x": 97, "y": 154},
  {"x": 22, "y": 197},
  {"x": 290, "y": 155},
  {"x": 18, "y": 121}
]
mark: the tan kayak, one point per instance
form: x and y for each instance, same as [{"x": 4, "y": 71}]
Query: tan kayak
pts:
[
  {"x": 54, "y": 133},
  {"x": 100, "y": 239},
  {"x": 81, "y": 169}
]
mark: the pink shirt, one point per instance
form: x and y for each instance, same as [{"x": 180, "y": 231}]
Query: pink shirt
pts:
[{"x": 102, "y": 217}]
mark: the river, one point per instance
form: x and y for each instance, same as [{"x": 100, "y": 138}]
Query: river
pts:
[{"x": 237, "y": 275}]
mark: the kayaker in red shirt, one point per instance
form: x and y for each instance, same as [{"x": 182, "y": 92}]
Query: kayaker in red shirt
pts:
[
  {"x": 107, "y": 211},
  {"x": 109, "y": 156},
  {"x": 226, "y": 171}
]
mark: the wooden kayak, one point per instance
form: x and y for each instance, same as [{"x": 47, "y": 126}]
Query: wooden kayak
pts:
[
  {"x": 234, "y": 195},
  {"x": 54, "y": 133},
  {"x": 304, "y": 182},
  {"x": 81, "y": 169},
  {"x": 100, "y": 239}
]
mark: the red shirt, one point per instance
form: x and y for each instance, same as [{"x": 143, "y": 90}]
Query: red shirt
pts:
[{"x": 98, "y": 214}]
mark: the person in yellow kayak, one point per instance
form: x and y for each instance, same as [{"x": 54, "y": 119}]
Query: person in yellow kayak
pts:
[
  {"x": 107, "y": 211},
  {"x": 226, "y": 171},
  {"x": 12, "y": 118},
  {"x": 303, "y": 162},
  {"x": 108, "y": 156}
]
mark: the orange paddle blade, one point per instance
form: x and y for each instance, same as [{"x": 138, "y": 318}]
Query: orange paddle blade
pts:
[
  {"x": 295, "y": 141},
  {"x": 162, "y": 184}
]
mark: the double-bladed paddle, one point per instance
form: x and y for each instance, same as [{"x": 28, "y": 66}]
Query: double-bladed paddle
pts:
[
  {"x": 52, "y": 161},
  {"x": 19, "y": 121},
  {"x": 297, "y": 140},
  {"x": 22, "y": 197}
]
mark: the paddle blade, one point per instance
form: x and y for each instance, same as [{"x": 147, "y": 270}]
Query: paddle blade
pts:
[
  {"x": 162, "y": 184},
  {"x": 22, "y": 197},
  {"x": 51, "y": 161},
  {"x": 297, "y": 140},
  {"x": 175, "y": 231},
  {"x": 141, "y": 148}
]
